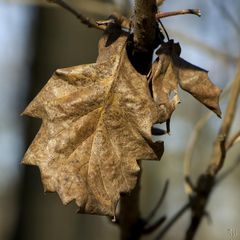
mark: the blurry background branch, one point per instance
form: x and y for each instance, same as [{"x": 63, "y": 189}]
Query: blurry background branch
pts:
[
  {"x": 203, "y": 46},
  {"x": 84, "y": 20},
  {"x": 206, "y": 181},
  {"x": 229, "y": 171},
  {"x": 194, "y": 137},
  {"x": 91, "y": 6},
  {"x": 235, "y": 139},
  {"x": 219, "y": 149},
  {"x": 227, "y": 14}
]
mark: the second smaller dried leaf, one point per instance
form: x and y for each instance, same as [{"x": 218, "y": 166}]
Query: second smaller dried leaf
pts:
[{"x": 170, "y": 70}]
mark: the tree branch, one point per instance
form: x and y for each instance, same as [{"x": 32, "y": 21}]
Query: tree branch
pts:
[
  {"x": 207, "y": 181},
  {"x": 233, "y": 140},
  {"x": 85, "y": 20},
  {"x": 145, "y": 25},
  {"x": 159, "y": 203},
  {"x": 196, "y": 12},
  {"x": 172, "y": 221},
  {"x": 144, "y": 38},
  {"x": 201, "y": 46},
  {"x": 130, "y": 218},
  {"x": 227, "y": 172},
  {"x": 219, "y": 150},
  {"x": 226, "y": 14},
  {"x": 193, "y": 141},
  {"x": 123, "y": 21}
]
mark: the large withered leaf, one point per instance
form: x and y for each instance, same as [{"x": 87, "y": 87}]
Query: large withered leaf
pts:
[
  {"x": 96, "y": 122},
  {"x": 170, "y": 70}
]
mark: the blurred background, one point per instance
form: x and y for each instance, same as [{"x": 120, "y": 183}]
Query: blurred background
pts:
[{"x": 36, "y": 38}]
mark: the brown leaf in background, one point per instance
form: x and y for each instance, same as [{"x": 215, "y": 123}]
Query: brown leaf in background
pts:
[
  {"x": 169, "y": 70},
  {"x": 97, "y": 121}
]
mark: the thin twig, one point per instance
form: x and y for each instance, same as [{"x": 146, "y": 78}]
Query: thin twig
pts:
[
  {"x": 233, "y": 140},
  {"x": 125, "y": 23},
  {"x": 196, "y": 12},
  {"x": 205, "y": 186},
  {"x": 207, "y": 180},
  {"x": 95, "y": 7},
  {"x": 225, "y": 12},
  {"x": 193, "y": 141},
  {"x": 201, "y": 46},
  {"x": 199, "y": 200},
  {"x": 153, "y": 227},
  {"x": 174, "y": 219},
  {"x": 159, "y": 203},
  {"x": 227, "y": 172},
  {"x": 219, "y": 150},
  {"x": 119, "y": 19},
  {"x": 190, "y": 150},
  {"x": 85, "y": 20}
]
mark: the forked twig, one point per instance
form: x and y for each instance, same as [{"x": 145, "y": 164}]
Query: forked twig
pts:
[
  {"x": 176, "y": 217},
  {"x": 207, "y": 180}
]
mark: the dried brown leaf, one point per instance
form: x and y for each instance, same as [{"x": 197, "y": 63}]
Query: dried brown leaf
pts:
[
  {"x": 96, "y": 124},
  {"x": 170, "y": 70}
]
